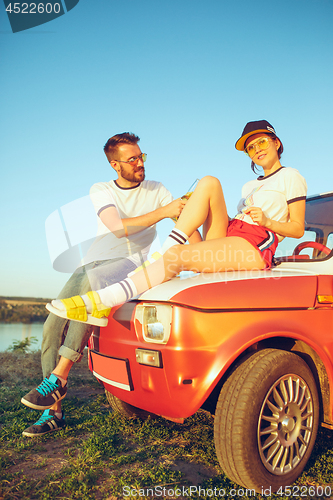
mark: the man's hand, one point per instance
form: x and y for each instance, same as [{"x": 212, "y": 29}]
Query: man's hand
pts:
[
  {"x": 257, "y": 215},
  {"x": 124, "y": 227},
  {"x": 174, "y": 209}
]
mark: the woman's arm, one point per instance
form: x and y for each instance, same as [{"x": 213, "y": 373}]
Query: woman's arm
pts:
[{"x": 294, "y": 228}]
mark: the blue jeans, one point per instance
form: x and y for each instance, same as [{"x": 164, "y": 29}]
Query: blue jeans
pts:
[{"x": 62, "y": 337}]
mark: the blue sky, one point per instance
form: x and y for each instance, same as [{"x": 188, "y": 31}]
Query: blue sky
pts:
[{"x": 184, "y": 75}]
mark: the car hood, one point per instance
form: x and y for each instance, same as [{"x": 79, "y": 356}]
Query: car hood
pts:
[{"x": 281, "y": 287}]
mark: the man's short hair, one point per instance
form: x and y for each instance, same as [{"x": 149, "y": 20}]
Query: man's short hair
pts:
[{"x": 111, "y": 147}]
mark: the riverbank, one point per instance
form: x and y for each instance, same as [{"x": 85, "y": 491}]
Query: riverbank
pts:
[
  {"x": 23, "y": 310},
  {"x": 12, "y": 333}
]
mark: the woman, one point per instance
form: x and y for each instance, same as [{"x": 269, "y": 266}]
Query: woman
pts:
[{"x": 272, "y": 207}]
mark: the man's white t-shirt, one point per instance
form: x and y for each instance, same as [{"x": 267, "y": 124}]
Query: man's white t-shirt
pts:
[
  {"x": 129, "y": 202},
  {"x": 273, "y": 194}
]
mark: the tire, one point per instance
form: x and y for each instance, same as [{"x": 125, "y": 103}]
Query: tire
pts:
[
  {"x": 126, "y": 410},
  {"x": 266, "y": 420}
]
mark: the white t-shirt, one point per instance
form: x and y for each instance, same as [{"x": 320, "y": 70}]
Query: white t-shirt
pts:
[
  {"x": 129, "y": 202},
  {"x": 273, "y": 194}
]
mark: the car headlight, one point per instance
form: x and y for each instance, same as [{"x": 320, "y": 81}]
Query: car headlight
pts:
[{"x": 155, "y": 321}]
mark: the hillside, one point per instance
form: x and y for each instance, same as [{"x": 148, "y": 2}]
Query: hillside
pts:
[{"x": 22, "y": 309}]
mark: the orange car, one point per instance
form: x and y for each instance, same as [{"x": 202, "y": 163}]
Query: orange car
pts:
[{"x": 254, "y": 348}]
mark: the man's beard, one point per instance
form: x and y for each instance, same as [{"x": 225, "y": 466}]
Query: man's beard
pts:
[{"x": 135, "y": 176}]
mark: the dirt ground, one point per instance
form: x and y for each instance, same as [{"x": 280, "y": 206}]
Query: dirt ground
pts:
[{"x": 51, "y": 456}]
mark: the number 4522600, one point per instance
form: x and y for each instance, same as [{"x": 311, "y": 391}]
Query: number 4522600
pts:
[
  {"x": 305, "y": 491},
  {"x": 33, "y": 8}
]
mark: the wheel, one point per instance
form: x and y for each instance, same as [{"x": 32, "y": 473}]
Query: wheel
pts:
[
  {"x": 266, "y": 420},
  {"x": 311, "y": 244},
  {"x": 125, "y": 409}
]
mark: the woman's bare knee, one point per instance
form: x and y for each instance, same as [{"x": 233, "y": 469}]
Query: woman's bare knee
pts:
[{"x": 209, "y": 182}]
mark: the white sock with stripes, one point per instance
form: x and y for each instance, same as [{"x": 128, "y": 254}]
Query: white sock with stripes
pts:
[
  {"x": 176, "y": 237},
  {"x": 118, "y": 293}
]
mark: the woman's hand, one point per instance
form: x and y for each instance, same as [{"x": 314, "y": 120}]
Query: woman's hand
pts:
[
  {"x": 294, "y": 228},
  {"x": 257, "y": 215}
]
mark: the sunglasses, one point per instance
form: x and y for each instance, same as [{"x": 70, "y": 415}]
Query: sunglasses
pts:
[
  {"x": 262, "y": 143},
  {"x": 134, "y": 159}
]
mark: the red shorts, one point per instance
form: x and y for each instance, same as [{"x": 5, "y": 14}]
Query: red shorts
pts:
[{"x": 262, "y": 239}]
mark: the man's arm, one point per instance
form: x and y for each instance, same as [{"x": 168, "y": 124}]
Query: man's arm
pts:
[{"x": 124, "y": 227}]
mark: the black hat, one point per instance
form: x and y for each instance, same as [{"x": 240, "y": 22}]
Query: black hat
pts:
[{"x": 252, "y": 128}]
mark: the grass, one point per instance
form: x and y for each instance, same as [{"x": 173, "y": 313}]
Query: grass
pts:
[
  {"x": 22, "y": 346},
  {"x": 100, "y": 456}
]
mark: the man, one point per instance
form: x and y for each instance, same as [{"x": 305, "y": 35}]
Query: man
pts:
[{"x": 128, "y": 210}]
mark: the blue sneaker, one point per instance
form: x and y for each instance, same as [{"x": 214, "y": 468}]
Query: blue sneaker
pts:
[
  {"x": 46, "y": 394},
  {"x": 48, "y": 422}
]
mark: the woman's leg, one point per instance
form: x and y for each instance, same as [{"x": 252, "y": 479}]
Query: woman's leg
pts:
[
  {"x": 205, "y": 207},
  {"x": 211, "y": 256},
  {"x": 231, "y": 253}
]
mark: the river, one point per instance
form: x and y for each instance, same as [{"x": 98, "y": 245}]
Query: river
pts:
[{"x": 19, "y": 331}]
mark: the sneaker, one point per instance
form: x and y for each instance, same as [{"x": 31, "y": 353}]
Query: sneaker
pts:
[
  {"x": 46, "y": 394},
  {"x": 48, "y": 422}
]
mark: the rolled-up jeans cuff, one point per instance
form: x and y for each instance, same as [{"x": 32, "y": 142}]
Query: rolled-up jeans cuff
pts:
[{"x": 68, "y": 353}]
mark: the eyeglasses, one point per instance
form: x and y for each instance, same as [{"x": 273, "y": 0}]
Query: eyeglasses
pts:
[
  {"x": 134, "y": 159},
  {"x": 262, "y": 143}
]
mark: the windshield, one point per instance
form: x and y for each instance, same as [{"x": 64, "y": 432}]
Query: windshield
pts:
[{"x": 318, "y": 228}]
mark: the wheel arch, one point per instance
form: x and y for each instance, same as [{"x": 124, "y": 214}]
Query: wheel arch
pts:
[
  {"x": 316, "y": 365},
  {"x": 297, "y": 346}
]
